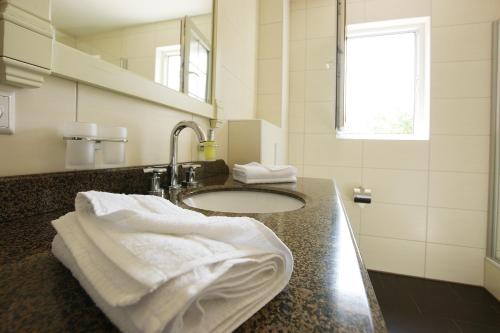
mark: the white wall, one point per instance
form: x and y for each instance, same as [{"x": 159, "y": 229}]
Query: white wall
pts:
[
  {"x": 430, "y": 197},
  {"x": 37, "y": 145}
]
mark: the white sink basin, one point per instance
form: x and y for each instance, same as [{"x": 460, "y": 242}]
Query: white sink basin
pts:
[{"x": 244, "y": 201}]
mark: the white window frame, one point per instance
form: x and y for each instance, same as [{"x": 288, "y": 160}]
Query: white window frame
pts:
[
  {"x": 161, "y": 73},
  {"x": 421, "y": 27}
]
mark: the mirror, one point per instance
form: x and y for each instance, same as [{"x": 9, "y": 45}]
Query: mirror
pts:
[{"x": 166, "y": 41}]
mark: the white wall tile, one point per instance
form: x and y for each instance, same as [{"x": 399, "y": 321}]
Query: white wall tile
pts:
[
  {"x": 453, "y": 263},
  {"x": 328, "y": 151},
  {"x": 393, "y": 255},
  {"x": 462, "y": 42},
  {"x": 412, "y": 155},
  {"x": 461, "y": 79},
  {"x": 458, "y": 190},
  {"x": 453, "y": 12},
  {"x": 457, "y": 227},
  {"x": 397, "y": 186},
  {"x": 460, "y": 153},
  {"x": 394, "y": 221},
  {"x": 354, "y": 215},
  {"x": 461, "y": 116}
]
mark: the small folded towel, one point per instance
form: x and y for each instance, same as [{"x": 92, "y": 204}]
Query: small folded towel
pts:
[
  {"x": 256, "y": 173},
  {"x": 152, "y": 266}
]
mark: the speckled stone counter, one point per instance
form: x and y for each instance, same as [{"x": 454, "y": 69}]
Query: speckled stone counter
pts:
[{"x": 329, "y": 290}]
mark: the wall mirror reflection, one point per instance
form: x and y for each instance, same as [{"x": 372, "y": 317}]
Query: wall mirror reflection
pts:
[{"x": 166, "y": 41}]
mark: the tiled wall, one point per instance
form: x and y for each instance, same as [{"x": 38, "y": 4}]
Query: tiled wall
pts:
[
  {"x": 37, "y": 145},
  {"x": 428, "y": 216}
]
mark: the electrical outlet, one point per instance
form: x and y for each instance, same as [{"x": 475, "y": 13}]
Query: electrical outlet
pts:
[{"x": 7, "y": 111}]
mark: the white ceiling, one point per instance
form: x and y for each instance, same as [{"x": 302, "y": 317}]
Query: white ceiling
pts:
[{"x": 84, "y": 17}]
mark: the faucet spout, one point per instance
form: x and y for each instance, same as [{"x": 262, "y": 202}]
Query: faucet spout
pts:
[{"x": 174, "y": 137}]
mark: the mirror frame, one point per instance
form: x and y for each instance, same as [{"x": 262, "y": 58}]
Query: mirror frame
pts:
[{"x": 73, "y": 64}]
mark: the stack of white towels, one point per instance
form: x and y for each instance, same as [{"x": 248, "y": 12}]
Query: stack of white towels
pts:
[
  {"x": 256, "y": 173},
  {"x": 151, "y": 266}
]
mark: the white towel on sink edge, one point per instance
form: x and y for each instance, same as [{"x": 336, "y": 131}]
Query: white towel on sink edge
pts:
[
  {"x": 256, "y": 170},
  {"x": 166, "y": 269}
]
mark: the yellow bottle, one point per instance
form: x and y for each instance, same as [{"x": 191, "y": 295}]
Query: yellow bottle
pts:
[{"x": 210, "y": 146}]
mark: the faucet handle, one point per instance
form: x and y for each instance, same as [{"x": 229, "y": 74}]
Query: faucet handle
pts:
[
  {"x": 156, "y": 180},
  {"x": 190, "y": 172},
  {"x": 155, "y": 170}
]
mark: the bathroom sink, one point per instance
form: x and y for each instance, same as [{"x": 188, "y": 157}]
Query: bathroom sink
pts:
[{"x": 244, "y": 201}]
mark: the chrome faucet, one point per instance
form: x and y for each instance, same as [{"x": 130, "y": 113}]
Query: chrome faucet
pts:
[{"x": 174, "y": 137}]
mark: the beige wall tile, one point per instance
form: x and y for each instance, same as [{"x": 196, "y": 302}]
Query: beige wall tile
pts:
[
  {"x": 393, "y": 255},
  {"x": 461, "y": 79},
  {"x": 271, "y": 11},
  {"x": 297, "y": 86},
  {"x": 379, "y": 10},
  {"x": 326, "y": 150},
  {"x": 461, "y": 116},
  {"x": 458, "y": 190},
  {"x": 320, "y": 86},
  {"x": 297, "y": 4},
  {"x": 453, "y": 263},
  {"x": 296, "y": 117},
  {"x": 320, "y": 3},
  {"x": 457, "y": 227},
  {"x": 354, "y": 216},
  {"x": 298, "y": 25},
  {"x": 296, "y": 149},
  {"x": 397, "y": 186},
  {"x": 320, "y": 52},
  {"x": 453, "y": 12},
  {"x": 411, "y": 155},
  {"x": 319, "y": 118},
  {"x": 269, "y": 76},
  {"x": 297, "y": 55},
  {"x": 394, "y": 221},
  {"x": 321, "y": 22},
  {"x": 460, "y": 153},
  {"x": 462, "y": 42},
  {"x": 346, "y": 178},
  {"x": 37, "y": 145},
  {"x": 270, "y": 36}
]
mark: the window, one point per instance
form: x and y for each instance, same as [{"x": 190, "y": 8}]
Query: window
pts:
[
  {"x": 168, "y": 66},
  {"x": 198, "y": 70},
  {"x": 386, "y": 83}
]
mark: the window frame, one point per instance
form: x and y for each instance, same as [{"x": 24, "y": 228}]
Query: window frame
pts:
[
  {"x": 163, "y": 53},
  {"x": 421, "y": 27}
]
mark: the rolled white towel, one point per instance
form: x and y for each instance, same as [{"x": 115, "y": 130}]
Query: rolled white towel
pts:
[
  {"x": 254, "y": 173},
  {"x": 154, "y": 267}
]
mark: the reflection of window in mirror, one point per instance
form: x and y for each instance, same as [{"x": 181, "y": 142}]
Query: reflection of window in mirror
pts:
[
  {"x": 386, "y": 80},
  {"x": 197, "y": 59},
  {"x": 168, "y": 66}
]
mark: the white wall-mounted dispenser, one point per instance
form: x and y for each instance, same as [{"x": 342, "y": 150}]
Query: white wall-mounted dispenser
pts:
[
  {"x": 80, "y": 153},
  {"x": 113, "y": 152}
]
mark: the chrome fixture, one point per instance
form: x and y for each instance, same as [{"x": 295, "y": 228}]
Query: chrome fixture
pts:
[
  {"x": 190, "y": 172},
  {"x": 156, "y": 180},
  {"x": 174, "y": 137}
]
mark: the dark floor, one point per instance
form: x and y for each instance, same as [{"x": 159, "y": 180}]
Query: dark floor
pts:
[{"x": 419, "y": 305}]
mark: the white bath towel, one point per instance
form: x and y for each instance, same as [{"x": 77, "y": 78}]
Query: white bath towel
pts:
[
  {"x": 255, "y": 173},
  {"x": 154, "y": 267}
]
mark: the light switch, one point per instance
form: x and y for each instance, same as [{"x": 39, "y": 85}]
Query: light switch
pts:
[{"x": 6, "y": 113}]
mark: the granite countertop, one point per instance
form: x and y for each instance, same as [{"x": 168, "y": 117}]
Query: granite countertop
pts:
[{"x": 329, "y": 290}]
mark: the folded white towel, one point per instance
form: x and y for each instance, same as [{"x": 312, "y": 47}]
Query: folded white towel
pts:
[
  {"x": 148, "y": 262},
  {"x": 254, "y": 173}
]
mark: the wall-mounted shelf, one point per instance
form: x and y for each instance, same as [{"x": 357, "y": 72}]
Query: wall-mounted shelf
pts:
[{"x": 94, "y": 139}]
